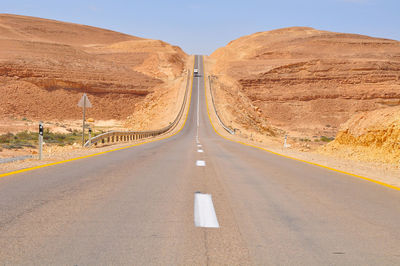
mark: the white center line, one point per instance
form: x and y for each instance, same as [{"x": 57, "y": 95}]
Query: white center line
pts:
[
  {"x": 204, "y": 212},
  {"x": 200, "y": 151},
  {"x": 198, "y": 101},
  {"x": 200, "y": 163}
]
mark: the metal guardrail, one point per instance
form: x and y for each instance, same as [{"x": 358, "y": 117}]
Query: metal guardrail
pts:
[
  {"x": 115, "y": 136},
  {"x": 230, "y": 131}
]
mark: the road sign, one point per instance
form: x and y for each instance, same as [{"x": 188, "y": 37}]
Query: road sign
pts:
[{"x": 84, "y": 101}]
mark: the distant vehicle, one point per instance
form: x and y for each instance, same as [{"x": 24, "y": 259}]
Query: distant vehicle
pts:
[{"x": 196, "y": 72}]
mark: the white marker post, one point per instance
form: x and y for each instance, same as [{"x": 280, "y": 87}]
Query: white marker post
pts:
[
  {"x": 40, "y": 140},
  {"x": 84, "y": 102},
  {"x": 90, "y": 136},
  {"x": 285, "y": 143}
]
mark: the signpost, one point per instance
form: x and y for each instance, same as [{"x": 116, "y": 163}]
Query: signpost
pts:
[
  {"x": 84, "y": 103},
  {"x": 40, "y": 140}
]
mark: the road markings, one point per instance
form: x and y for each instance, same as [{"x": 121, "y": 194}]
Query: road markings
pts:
[
  {"x": 200, "y": 163},
  {"x": 204, "y": 212},
  {"x": 198, "y": 101},
  {"x": 200, "y": 150}
]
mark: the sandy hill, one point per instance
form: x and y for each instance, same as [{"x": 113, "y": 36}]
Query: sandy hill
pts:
[
  {"x": 304, "y": 81},
  {"x": 45, "y": 65},
  {"x": 370, "y": 136}
]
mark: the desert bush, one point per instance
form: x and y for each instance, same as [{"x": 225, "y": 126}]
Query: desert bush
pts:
[
  {"x": 326, "y": 139},
  {"x": 30, "y": 139},
  {"x": 6, "y": 138}
]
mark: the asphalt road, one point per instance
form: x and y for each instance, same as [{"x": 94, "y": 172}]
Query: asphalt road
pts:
[{"x": 135, "y": 207}]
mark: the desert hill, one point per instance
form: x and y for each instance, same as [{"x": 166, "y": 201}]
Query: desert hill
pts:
[
  {"x": 46, "y": 65},
  {"x": 370, "y": 136},
  {"x": 17, "y": 27},
  {"x": 303, "y": 81}
]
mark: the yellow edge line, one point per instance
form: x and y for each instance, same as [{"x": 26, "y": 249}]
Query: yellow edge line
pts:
[
  {"x": 103, "y": 152},
  {"x": 289, "y": 157}
]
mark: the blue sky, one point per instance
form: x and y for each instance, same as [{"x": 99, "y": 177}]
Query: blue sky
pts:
[{"x": 200, "y": 27}]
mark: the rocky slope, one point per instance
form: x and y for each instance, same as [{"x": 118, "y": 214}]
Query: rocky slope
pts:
[
  {"x": 370, "y": 136},
  {"x": 46, "y": 65},
  {"x": 303, "y": 81}
]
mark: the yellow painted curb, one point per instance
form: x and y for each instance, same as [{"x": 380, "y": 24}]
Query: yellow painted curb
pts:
[
  {"x": 103, "y": 152},
  {"x": 289, "y": 157}
]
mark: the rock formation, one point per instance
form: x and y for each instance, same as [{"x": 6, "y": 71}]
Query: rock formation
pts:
[
  {"x": 303, "y": 81},
  {"x": 46, "y": 65}
]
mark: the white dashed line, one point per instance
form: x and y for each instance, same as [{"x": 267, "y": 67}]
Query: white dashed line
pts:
[
  {"x": 204, "y": 212},
  {"x": 200, "y": 163},
  {"x": 198, "y": 102},
  {"x": 200, "y": 151}
]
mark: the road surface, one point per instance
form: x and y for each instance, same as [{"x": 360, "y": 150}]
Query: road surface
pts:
[{"x": 135, "y": 207}]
